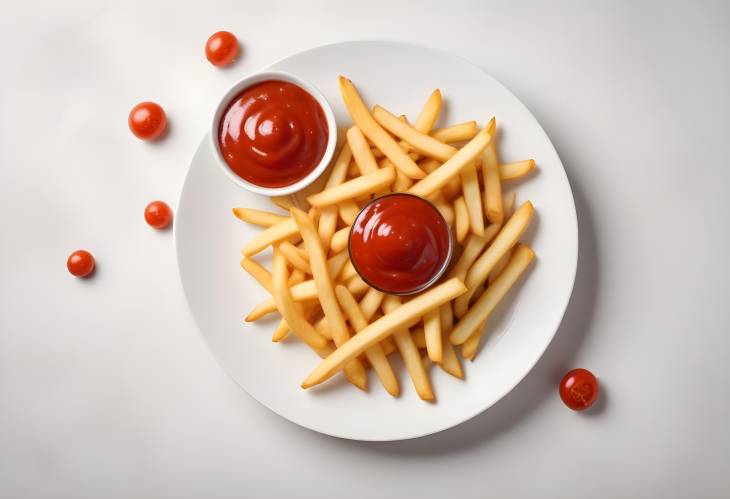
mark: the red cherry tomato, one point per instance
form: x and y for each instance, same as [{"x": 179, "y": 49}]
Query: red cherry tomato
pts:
[
  {"x": 579, "y": 389},
  {"x": 222, "y": 48},
  {"x": 80, "y": 263},
  {"x": 147, "y": 121},
  {"x": 158, "y": 215}
]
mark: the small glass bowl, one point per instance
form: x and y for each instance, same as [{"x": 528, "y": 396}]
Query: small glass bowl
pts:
[{"x": 435, "y": 278}]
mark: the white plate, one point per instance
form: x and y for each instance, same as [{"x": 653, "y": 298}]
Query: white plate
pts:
[{"x": 219, "y": 293}]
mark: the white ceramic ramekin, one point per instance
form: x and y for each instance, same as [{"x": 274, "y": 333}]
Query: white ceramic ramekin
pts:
[{"x": 249, "y": 81}]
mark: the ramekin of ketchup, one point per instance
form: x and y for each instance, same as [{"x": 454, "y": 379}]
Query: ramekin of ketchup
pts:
[
  {"x": 400, "y": 244},
  {"x": 273, "y": 133}
]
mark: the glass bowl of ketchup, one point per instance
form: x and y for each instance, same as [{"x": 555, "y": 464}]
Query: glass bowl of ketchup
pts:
[
  {"x": 273, "y": 133},
  {"x": 400, "y": 244}
]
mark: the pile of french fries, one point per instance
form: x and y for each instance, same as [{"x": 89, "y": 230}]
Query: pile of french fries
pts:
[{"x": 320, "y": 297}]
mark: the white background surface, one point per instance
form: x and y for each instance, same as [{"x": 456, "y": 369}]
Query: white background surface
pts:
[{"x": 108, "y": 390}]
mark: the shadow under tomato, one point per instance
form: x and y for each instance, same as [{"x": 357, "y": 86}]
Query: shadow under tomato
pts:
[{"x": 599, "y": 406}]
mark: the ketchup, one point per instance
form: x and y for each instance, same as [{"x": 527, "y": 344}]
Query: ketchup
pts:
[
  {"x": 399, "y": 243},
  {"x": 273, "y": 134}
]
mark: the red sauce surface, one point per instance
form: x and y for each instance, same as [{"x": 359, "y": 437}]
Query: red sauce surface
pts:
[
  {"x": 399, "y": 243},
  {"x": 273, "y": 134}
]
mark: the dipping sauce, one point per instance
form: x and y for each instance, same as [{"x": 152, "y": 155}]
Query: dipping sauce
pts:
[
  {"x": 273, "y": 134},
  {"x": 400, "y": 243}
]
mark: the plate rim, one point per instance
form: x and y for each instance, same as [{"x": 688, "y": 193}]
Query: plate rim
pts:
[{"x": 549, "y": 339}]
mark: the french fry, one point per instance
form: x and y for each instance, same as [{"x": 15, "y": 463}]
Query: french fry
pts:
[
  {"x": 336, "y": 263},
  {"x": 370, "y": 128},
  {"x": 452, "y": 187},
  {"x": 509, "y": 206},
  {"x": 328, "y": 224},
  {"x": 348, "y": 211},
  {"x": 503, "y": 242},
  {"x": 425, "y": 122},
  {"x": 419, "y": 337},
  {"x": 493, "y": 207},
  {"x": 364, "y": 158},
  {"x": 321, "y": 275},
  {"x": 351, "y": 189},
  {"x": 296, "y": 277},
  {"x": 305, "y": 290},
  {"x": 283, "y": 202},
  {"x": 511, "y": 171},
  {"x": 374, "y": 354},
  {"x": 432, "y": 331},
  {"x": 480, "y": 289},
  {"x": 430, "y": 113},
  {"x": 294, "y": 258},
  {"x": 419, "y": 141},
  {"x": 492, "y": 126},
  {"x": 281, "y": 331},
  {"x": 453, "y": 167},
  {"x": 451, "y": 363},
  {"x": 258, "y": 272},
  {"x": 291, "y": 313},
  {"x": 258, "y": 217},
  {"x": 410, "y": 354},
  {"x": 338, "y": 173},
  {"x": 328, "y": 214},
  {"x": 348, "y": 271},
  {"x": 340, "y": 240},
  {"x": 268, "y": 306},
  {"x": 272, "y": 235},
  {"x": 384, "y": 327},
  {"x": 264, "y": 308},
  {"x": 326, "y": 292},
  {"x": 446, "y": 210},
  {"x": 402, "y": 183},
  {"x": 371, "y": 302},
  {"x": 357, "y": 286},
  {"x": 491, "y": 297},
  {"x": 473, "y": 198},
  {"x": 470, "y": 347},
  {"x": 353, "y": 171},
  {"x": 430, "y": 165},
  {"x": 388, "y": 346},
  {"x": 446, "y": 317},
  {"x": 461, "y": 219},
  {"x": 322, "y": 328},
  {"x": 472, "y": 249},
  {"x": 456, "y": 133}
]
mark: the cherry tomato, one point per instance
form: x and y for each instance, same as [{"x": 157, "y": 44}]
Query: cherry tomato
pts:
[
  {"x": 158, "y": 215},
  {"x": 222, "y": 48},
  {"x": 80, "y": 263},
  {"x": 147, "y": 121},
  {"x": 579, "y": 389}
]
